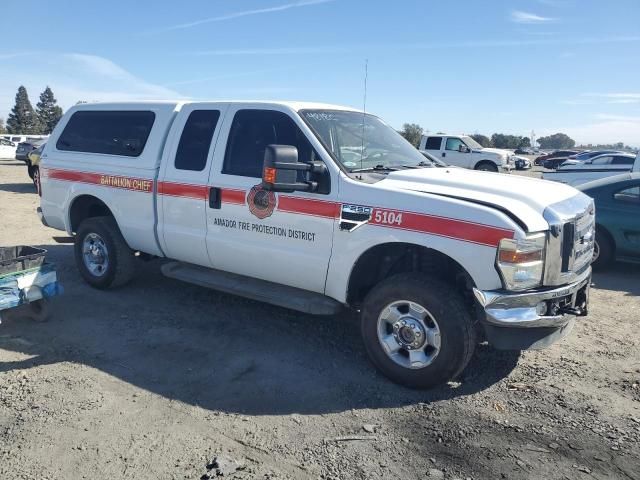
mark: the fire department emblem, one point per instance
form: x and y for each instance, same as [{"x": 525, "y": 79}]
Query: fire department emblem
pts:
[{"x": 261, "y": 202}]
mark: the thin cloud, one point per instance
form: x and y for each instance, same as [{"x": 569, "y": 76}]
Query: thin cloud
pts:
[
  {"x": 349, "y": 49},
  {"x": 617, "y": 118},
  {"x": 518, "y": 16},
  {"x": 617, "y": 96},
  {"x": 192, "y": 81},
  {"x": 245, "y": 13}
]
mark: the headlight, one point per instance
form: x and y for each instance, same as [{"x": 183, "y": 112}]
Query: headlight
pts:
[{"x": 521, "y": 262}]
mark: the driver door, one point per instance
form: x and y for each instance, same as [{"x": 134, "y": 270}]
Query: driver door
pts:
[
  {"x": 454, "y": 156},
  {"x": 278, "y": 237}
]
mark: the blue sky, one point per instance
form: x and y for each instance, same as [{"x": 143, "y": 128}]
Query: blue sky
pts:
[{"x": 453, "y": 66}]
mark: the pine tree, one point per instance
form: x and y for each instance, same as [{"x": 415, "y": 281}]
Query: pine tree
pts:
[
  {"x": 23, "y": 119},
  {"x": 2, "y": 128},
  {"x": 49, "y": 113}
]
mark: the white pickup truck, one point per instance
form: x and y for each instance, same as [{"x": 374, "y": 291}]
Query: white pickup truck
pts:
[
  {"x": 316, "y": 207},
  {"x": 602, "y": 166},
  {"x": 463, "y": 151}
]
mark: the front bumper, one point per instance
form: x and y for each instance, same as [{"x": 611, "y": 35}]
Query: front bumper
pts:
[{"x": 524, "y": 310}]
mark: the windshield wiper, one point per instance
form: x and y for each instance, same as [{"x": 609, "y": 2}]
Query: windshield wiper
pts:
[
  {"x": 419, "y": 164},
  {"x": 377, "y": 168}
]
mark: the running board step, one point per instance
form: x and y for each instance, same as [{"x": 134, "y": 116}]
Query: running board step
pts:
[{"x": 260, "y": 290}]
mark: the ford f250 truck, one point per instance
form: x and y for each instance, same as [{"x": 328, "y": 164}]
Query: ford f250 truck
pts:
[
  {"x": 463, "y": 151},
  {"x": 315, "y": 207}
]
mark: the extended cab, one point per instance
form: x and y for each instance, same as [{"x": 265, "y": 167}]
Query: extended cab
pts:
[
  {"x": 316, "y": 207},
  {"x": 464, "y": 151}
]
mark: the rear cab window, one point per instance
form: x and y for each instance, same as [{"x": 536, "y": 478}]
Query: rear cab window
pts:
[
  {"x": 195, "y": 140},
  {"x": 433, "y": 143},
  {"x": 110, "y": 132}
]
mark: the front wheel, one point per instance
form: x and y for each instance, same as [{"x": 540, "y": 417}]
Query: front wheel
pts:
[
  {"x": 487, "y": 167},
  {"x": 103, "y": 257},
  {"x": 36, "y": 179},
  {"x": 417, "y": 331}
]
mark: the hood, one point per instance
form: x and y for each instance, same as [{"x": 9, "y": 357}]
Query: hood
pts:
[
  {"x": 497, "y": 151},
  {"x": 523, "y": 197}
]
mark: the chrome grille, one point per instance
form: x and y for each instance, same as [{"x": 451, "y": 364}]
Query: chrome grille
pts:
[{"x": 571, "y": 239}]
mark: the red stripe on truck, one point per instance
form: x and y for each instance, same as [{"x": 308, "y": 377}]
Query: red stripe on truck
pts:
[
  {"x": 113, "y": 181},
  {"x": 396, "y": 219},
  {"x": 440, "y": 226},
  {"x": 197, "y": 192},
  {"x": 308, "y": 206}
]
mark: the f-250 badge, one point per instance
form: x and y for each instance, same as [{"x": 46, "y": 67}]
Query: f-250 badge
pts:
[{"x": 261, "y": 202}]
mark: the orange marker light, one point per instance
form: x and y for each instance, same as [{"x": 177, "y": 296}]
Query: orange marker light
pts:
[
  {"x": 269, "y": 175},
  {"x": 511, "y": 256}
]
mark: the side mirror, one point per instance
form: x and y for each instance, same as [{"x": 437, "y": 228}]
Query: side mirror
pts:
[
  {"x": 464, "y": 149},
  {"x": 281, "y": 167}
]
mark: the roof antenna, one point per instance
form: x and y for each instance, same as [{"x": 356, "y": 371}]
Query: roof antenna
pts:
[{"x": 364, "y": 108}]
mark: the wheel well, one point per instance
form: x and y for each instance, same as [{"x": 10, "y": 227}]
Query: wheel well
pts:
[
  {"x": 385, "y": 260},
  {"x": 87, "y": 206},
  {"x": 483, "y": 162},
  {"x": 606, "y": 233}
]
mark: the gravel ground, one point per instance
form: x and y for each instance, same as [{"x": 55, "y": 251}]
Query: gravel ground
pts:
[{"x": 164, "y": 380}]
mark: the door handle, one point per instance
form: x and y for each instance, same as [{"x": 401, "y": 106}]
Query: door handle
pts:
[
  {"x": 215, "y": 198},
  {"x": 444, "y": 154}
]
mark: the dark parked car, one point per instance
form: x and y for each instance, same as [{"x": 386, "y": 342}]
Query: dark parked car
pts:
[
  {"x": 558, "y": 157},
  {"x": 24, "y": 149},
  {"x": 617, "y": 201}
]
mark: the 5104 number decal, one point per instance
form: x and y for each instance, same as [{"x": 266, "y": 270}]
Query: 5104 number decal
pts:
[{"x": 387, "y": 217}]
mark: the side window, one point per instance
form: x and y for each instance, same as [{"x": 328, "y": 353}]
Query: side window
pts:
[
  {"x": 195, "y": 140},
  {"x": 620, "y": 160},
  {"x": 110, "y": 132},
  {"x": 605, "y": 160},
  {"x": 454, "y": 144},
  {"x": 433, "y": 143},
  {"x": 251, "y": 132},
  {"x": 15, "y": 139}
]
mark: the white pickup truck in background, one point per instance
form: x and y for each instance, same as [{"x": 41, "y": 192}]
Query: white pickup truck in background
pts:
[
  {"x": 594, "y": 169},
  {"x": 463, "y": 151},
  {"x": 315, "y": 207}
]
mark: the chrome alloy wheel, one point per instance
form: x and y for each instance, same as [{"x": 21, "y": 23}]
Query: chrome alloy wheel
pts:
[
  {"x": 95, "y": 254},
  {"x": 409, "y": 334}
]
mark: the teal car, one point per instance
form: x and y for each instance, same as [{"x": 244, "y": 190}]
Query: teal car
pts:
[{"x": 617, "y": 201}]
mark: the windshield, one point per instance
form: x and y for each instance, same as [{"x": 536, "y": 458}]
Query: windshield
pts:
[
  {"x": 361, "y": 141},
  {"x": 471, "y": 143}
]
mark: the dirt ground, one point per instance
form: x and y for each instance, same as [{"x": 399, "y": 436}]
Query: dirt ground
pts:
[{"x": 155, "y": 380}]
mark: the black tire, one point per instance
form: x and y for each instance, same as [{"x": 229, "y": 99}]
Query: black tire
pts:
[
  {"x": 605, "y": 250},
  {"x": 121, "y": 264},
  {"x": 486, "y": 166},
  {"x": 446, "y": 306}
]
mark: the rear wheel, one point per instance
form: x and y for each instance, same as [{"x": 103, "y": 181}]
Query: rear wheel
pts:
[
  {"x": 417, "y": 331},
  {"x": 486, "y": 166},
  {"x": 102, "y": 256},
  {"x": 602, "y": 251}
]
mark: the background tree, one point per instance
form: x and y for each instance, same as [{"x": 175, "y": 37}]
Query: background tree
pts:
[
  {"x": 2, "y": 128},
  {"x": 23, "y": 119},
  {"x": 525, "y": 142},
  {"x": 49, "y": 113},
  {"x": 557, "y": 140},
  {"x": 412, "y": 132},
  {"x": 482, "y": 140}
]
